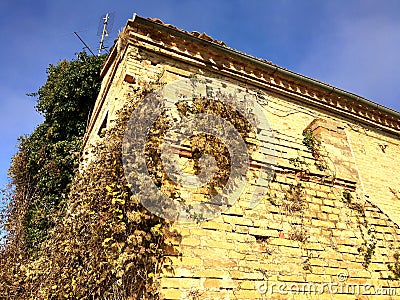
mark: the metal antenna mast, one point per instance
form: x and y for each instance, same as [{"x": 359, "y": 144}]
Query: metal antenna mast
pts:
[{"x": 104, "y": 32}]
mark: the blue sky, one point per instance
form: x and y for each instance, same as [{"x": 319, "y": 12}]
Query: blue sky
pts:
[{"x": 353, "y": 45}]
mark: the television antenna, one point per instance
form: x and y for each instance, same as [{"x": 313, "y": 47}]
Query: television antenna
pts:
[{"x": 105, "y": 27}]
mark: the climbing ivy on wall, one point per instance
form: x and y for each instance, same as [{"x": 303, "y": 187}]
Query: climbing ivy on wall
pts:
[
  {"x": 44, "y": 165},
  {"x": 83, "y": 235},
  {"x": 293, "y": 201},
  {"x": 86, "y": 237}
]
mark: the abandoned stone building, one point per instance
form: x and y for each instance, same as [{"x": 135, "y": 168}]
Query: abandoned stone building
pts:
[{"x": 326, "y": 216}]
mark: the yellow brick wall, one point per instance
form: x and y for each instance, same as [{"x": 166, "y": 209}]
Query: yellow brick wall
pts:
[
  {"x": 235, "y": 255},
  {"x": 379, "y": 169}
]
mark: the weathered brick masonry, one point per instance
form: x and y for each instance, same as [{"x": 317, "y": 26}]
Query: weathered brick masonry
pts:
[{"x": 310, "y": 225}]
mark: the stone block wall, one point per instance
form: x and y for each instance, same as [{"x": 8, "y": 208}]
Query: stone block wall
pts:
[{"x": 332, "y": 228}]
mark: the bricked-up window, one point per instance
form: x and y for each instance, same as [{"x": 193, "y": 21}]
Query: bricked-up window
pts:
[{"x": 103, "y": 126}]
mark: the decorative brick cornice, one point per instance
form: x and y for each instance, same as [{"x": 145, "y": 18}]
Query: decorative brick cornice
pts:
[{"x": 203, "y": 51}]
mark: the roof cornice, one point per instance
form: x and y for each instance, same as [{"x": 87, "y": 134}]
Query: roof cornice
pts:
[{"x": 211, "y": 54}]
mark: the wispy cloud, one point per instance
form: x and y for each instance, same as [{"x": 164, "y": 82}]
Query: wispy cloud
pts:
[{"x": 360, "y": 55}]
